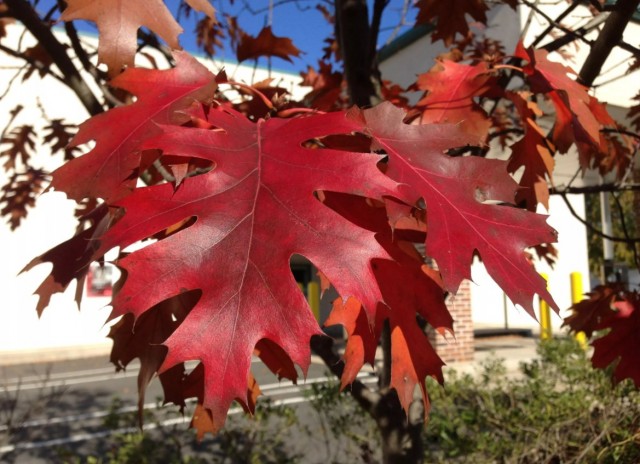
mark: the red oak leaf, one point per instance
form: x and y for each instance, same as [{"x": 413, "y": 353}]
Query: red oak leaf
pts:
[
  {"x": 20, "y": 193},
  {"x": 408, "y": 291},
  {"x": 240, "y": 206},
  {"x": 458, "y": 192},
  {"x": 588, "y": 315},
  {"x": 575, "y": 118},
  {"x": 271, "y": 189},
  {"x": 452, "y": 88},
  {"x": 109, "y": 170},
  {"x": 142, "y": 339},
  {"x": 82, "y": 247},
  {"x": 613, "y": 150},
  {"x": 21, "y": 143},
  {"x": 265, "y": 44},
  {"x": 533, "y": 152},
  {"x": 209, "y": 35},
  {"x": 361, "y": 340},
  {"x": 622, "y": 343},
  {"x": 327, "y": 88},
  {"x": 450, "y": 16},
  {"x": 118, "y": 22}
]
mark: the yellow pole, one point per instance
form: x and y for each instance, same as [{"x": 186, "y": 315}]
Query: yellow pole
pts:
[
  {"x": 576, "y": 297},
  {"x": 545, "y": 316},
  {"x": 313, "y": 297}
]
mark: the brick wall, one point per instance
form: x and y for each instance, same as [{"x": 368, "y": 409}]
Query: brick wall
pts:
[{"x": 460, "y": 348}]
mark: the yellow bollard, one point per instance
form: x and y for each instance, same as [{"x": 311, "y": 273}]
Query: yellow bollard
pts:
[
  {"x": 313, "y": 297},
  {"x": 576, "y": 297},
  {"x": 545, "y": 316}
]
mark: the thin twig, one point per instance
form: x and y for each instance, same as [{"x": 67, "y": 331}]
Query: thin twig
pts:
[
  {"x": 594, "y": 229},
  {"x": 32, "y": 62},
  {"x": 551, "y": 25},
  {"x": 625, "y": 230}
]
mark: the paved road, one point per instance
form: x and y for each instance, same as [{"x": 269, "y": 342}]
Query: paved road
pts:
[
  {"x": 78, "y": 404},
  {"x": 75, "y": 404}
]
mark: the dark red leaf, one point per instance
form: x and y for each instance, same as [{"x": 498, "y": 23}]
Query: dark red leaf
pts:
[{"x": 265, "y": 44}]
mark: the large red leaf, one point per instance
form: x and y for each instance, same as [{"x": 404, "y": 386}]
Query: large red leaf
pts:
[
  {"x": 118, "y": 22},
  {"x": 110, "y": 169},
  {"x": 459, "y": 194},
  {"x": 265, "y": 194},
  {"x": 253, "y": 212}
]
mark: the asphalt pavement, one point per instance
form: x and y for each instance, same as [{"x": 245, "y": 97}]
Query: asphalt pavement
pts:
[{"x": 76, "y": 403}]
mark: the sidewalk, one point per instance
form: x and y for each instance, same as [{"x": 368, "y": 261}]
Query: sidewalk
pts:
[{"x": 512, "y": 349}]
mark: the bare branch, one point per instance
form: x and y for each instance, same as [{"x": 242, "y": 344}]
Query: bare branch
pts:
[
  {"x": 25, "y": 13},
  {"x": 590, "y": 226},
  {"x": 625, "y": 231},
  {"x": 595, "y": 189},
  {"x": 609, "y": 37},
  {"x": 323, "y": 347},
  {"x": 31, "y": 61},
  {"x": 552, "y": 24}
]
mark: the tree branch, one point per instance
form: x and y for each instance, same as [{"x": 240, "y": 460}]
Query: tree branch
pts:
[
  {"x": 625, "y": 231},
  {"x": 354, "y": 36},
  {"x": 25, "y": 13},
  {"x": 594, "y": 189},
  {"x": 323, "y": 347},
  {"x": 552, "y": 24},
  {"x": 378, "y": 10},
  {"x": 609, "y": 37},
  {"x": 564, "y": 29},
  {"x": 593, "y": 229},
  {"x": 31, "y": 61}
]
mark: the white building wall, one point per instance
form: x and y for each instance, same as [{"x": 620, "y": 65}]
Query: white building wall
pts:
[{"x": 487, "y": 299}]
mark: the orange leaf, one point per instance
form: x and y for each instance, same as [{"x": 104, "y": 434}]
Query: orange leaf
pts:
[{"x": 118, "y": 22}]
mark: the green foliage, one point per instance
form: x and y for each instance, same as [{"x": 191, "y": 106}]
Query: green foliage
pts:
[
  {"x": 558, "y": 409},
  {"x": 261, "y": 439},
  {"x": 623, "y": 209}
]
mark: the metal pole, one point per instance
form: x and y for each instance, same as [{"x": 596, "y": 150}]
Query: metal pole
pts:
[
  {"x": 545, "y": 316},
  {"x": 607, "y": 245},
  {"x": 576, "y": 297}
]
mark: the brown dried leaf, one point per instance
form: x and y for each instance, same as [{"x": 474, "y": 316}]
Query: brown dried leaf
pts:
[
  {"x": 20, "y": 194},
  {"x": 21, "y": 141}
]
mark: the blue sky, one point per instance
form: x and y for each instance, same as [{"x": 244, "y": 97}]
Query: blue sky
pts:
[{"x": 298, "y": 20}]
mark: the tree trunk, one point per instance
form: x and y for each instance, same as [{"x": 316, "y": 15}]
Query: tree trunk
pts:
[
  {"x": 401, "y": 436},
  {"x": 355, "y": 37},
  {"x": 610, "y": 36}
]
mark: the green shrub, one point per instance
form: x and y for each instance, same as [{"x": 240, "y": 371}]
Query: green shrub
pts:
[{"x": 558, "y": 410}]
